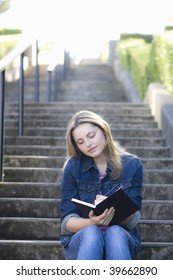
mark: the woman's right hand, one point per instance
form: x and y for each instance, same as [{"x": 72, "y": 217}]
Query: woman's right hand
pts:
[
  {"x": 99, "y": 198},
  {"x": 103, "y": 219}
]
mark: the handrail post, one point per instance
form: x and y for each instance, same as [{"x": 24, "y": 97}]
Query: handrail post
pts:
[
  {"x": 49, "y": 85},
  {"x": 2, "y": 93},
  {"x": 21, "y": 95},
  {"x": 65, "y": 66},
  {"x": 55, "y": 83},
  {"x": 37, "y": 97}
]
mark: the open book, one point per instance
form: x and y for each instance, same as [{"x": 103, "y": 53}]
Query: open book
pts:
[{"x": 122, "y": 203}]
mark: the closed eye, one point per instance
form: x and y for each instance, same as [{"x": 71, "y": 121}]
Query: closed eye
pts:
[
  {"x": 91, "y": 135},
  {"x": 79, "y": 142}
]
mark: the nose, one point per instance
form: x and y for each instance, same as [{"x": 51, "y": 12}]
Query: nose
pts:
[{"x": 87, "y": 143}]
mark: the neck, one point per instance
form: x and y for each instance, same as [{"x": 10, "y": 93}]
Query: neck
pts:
[{"x": 101, "y": 164}]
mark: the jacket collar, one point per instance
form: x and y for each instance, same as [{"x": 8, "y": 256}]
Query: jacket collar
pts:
[{"x": 89, "y": 163}]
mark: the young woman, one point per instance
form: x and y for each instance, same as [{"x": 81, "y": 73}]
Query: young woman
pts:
[{"x": 98, "y": 165}]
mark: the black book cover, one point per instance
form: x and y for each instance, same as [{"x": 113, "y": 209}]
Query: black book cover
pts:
[{"x": 124, "y": 206}]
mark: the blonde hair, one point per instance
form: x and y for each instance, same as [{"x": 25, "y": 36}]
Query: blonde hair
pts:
[{"x": 113, "y": 150}]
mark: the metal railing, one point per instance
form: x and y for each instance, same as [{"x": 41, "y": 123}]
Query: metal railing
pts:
[
  {"x": 54, "y": 69},
  {"x": 57, "y": 73},
  {"x": 18, "y": 52}
]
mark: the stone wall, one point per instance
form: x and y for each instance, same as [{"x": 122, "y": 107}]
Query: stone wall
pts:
[{"x": 161, "y": 104}]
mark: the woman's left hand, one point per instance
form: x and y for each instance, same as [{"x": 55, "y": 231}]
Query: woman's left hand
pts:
[{"x": 103, "y": 219}]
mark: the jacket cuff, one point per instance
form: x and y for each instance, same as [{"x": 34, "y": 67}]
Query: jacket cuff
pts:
[
  {"x": 134, "y": 221},
  {"x": 64, "y": 230}
]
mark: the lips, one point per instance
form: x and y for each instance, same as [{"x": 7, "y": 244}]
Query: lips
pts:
[{"x": 92, "y": 150}]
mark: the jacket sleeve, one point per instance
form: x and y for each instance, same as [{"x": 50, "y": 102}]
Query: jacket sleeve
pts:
[
  {"x": 64, "y": 230},
  {"x": 135, "y": 191},
  {"x": 134, "y": 221},
  {"x": 69, "y": 189}
]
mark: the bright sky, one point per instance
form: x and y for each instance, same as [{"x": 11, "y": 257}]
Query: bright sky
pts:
[
  {"x": 95, "y": 18},
  {"x": 87, "y": 20}
]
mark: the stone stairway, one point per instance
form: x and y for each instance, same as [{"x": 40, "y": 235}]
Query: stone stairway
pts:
[{"x": 30, "y": 193}]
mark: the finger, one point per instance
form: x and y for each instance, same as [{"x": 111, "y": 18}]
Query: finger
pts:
[
  {"x": 111, "y": 212},
  {"x": 91, "y": 214},
  {"x": 110, "y": 215}
]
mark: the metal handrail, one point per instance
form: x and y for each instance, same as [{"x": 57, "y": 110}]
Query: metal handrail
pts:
[
  {"x": 3, "y": 64},
  {"x": 55, "y": 69},
  {"x": 60, "y": 73}
]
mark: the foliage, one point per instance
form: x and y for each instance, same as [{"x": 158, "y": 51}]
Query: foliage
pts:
[
  {"x": 134, "y": 56},
  {"x": 7, "y": 44},
  {"x": 168, "y": 27},
  {"x": 148, "y": 62},
  {"x": 146, "y": 37},
  {"x": 4, "y": 5},
  {"x": 161, "y": 60},
  {"x": 7, "y": 31}
]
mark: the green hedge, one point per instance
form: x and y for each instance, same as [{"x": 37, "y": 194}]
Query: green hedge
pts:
[
  {"x": 148, "y": 62},
  {"x": 7, "y": 44},
  {"x": 160, "y": 67},
  {"x": 146, "y": 37},
  {"x": 134, "y": 56},
  {"x": 4, "y": 5},
  {"x": 7, "y": 31}
]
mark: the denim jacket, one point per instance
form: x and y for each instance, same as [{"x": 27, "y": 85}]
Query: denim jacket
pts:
[{"x": 81, "y": 180}]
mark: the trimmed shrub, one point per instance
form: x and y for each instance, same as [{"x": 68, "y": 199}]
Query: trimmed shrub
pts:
[
  {"x": 7, "y": 31},
  {"x": 134, "y": 56},
  {"x": 148, "y": 62},
  {"x": 146, "y": 37}
]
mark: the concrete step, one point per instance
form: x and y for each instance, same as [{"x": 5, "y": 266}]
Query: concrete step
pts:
[
  {"x": 34, "y": 161},
  {"x": 58, "y": 162},
  {"x": 52, "y": 190},
  {"x": 93, "y": 104},
  {"x": 57, "y": 141},
  {"x": 29, "y": 174},
  {"x": 73, "y": 106},
  {"x": 163, "y": 191},
  {"x": 155, "y": 163},
  {"x": 31, "y": 250},
  {"x": 59, "y": 131},
  {"x": 35, "y": 150},
  {"x": 156, "y": 251},
  {"x": 49, "y": 229},
  {"x": 50, "y": 123},
  {"x": 29, "y": 190},
  {"x": 149, "y": 230},
  {"x": 156, "y": 210},
  {"x": 52, "y": 250},
  {"x": 54, "y": 110},
  {"x": 84, "y": 104},
  {"x": 30, "y": 228},
  {"x": 36, "y": 174},
  {"x": 61, "y": 151},
  {"x": 38, "y": 208},
  {"x": 26, "y": 207},
  {"x": 62, "y": 117}
]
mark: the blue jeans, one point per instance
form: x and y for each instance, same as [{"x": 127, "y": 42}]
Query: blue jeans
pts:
[{"x": 91, "y": 243}]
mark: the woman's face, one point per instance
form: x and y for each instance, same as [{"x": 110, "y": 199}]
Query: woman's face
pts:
[{"x": 90, "y": 139}]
